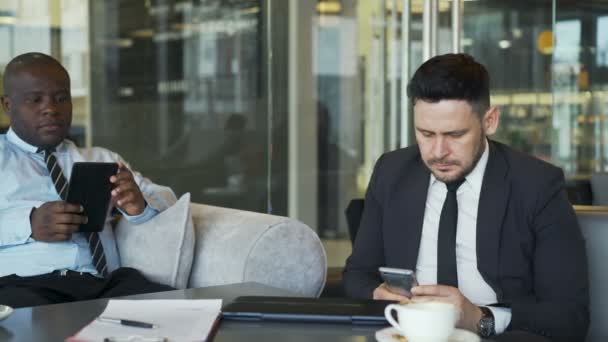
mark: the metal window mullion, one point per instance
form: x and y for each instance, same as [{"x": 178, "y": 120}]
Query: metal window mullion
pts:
[
  {"x": 430, "y": 22},
  {"x": 457, "y": 18},
  {"x": 392, "y": 55},
  {"x": 269, "y": 107},
  {"x": 405, "y": 73},
  {"x": 434, "y": 26}
]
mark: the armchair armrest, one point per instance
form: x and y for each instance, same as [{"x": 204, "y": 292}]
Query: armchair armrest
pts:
[{"x": 235, "y": 246}]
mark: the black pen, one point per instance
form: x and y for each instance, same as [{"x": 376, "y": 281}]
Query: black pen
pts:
[{"x": 127, "y": 322}]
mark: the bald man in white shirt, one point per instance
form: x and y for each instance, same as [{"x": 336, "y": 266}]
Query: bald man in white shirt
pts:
[{"x": 44, "y": 259}]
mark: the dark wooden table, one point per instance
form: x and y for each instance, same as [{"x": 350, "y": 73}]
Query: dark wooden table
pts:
[{"x": 59, "y": 321}]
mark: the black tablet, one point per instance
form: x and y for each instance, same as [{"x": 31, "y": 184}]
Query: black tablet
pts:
[
  {"x": 336, "y": 310},
  {"x": 90, "y": 187}
]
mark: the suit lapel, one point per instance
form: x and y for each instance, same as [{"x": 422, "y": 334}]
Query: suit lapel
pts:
[
  {"x": 406, "y": 210},
  {"x": 493, "y": 202}
]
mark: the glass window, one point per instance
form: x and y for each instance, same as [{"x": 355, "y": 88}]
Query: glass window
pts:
[
  {"x": 547, "y": 61},
  {"x": 504, "y": 37},
  {"x": 58, "y": 28},
  {"x": 602, "y": 41},
  {"x": 179, "y": 90}
]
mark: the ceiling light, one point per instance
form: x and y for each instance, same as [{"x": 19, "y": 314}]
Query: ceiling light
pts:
[
  {"x": 252, "y": 10},
  {"x": 517, "y": 33},
  {"x": 120, "y": 42},
  {"x": 143, "y": 33},
  {"x": 329, "y": 7},
  {"x": 504, "y": 44},
  {"x": 7, "y": 20},
  {"x": 466, "y": 42},
  {"x": 125, "y": 91}
]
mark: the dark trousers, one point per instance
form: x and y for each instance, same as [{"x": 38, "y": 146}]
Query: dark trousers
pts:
[{"x": 53, "y": 288}]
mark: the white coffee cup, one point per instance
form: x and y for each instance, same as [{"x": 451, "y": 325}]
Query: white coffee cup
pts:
[{"x": 424, "y": 321}]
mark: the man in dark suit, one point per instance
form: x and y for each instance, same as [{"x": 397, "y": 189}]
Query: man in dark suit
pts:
[{"x": 484, "y": 227}]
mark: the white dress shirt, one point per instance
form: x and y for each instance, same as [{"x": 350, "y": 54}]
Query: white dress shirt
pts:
[
  {"x": 26, "y": 184},
  {"x": 470, "y": 282}
]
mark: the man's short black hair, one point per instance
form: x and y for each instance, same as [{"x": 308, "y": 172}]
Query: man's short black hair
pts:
[
  {"x": 25, "y": 61},
  {"x": 452, "y": 77}
]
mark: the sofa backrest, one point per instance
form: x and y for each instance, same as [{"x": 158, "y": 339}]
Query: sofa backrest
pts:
[
  {"x": 235, "y": 246},
  {"x": 594, "y": 226}
]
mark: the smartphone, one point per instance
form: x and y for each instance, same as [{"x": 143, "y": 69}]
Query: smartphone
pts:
[
  {"x": 399, "y": 280},
  {"x": 90, "y": 187}
]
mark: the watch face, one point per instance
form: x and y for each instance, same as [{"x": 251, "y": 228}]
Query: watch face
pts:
[
  {"x": 486, "y": 323},
  {"x": 486, "y": 327}
]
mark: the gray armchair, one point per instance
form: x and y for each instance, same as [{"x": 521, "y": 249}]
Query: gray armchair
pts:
[
  {"x": 240, "y": 246},
  {"x": 594, "y": 226},
  {"x": 599, "y": 188},
  {"x": 197, "y": 245}
]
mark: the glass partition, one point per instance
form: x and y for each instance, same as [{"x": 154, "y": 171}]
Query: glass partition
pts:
[
  {"x": 546, "y": 61},
  {"x": 513, "y": 41},
  {"x": 180, "y": 92},
  {"x": 580, "y": 80},
  {"x": 59, "y": 28}
]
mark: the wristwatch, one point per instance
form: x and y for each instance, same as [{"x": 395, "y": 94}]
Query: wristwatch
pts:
[{"x": 485, "y": 326}]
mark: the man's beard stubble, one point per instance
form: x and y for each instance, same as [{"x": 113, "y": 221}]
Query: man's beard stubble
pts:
[{"x": 465, "y": 172}]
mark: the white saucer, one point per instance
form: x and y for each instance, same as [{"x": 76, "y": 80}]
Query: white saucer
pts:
[
  {"x": 5, "y": 311},
  {"x": 459, "y": 335}
]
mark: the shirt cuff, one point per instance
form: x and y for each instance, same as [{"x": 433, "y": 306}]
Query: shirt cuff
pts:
[
  {"x": 147, "y": 214},
  {"x": 502, "y": 318},
  {"x": 16, "y": 227}
]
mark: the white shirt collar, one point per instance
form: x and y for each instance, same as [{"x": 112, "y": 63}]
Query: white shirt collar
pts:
[
  {"x": 475, "y": 178},
  {"x": 12, "y": 137}
]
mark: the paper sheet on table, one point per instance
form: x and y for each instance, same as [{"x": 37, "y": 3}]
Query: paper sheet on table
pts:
[{"x": 177, "y": 320}]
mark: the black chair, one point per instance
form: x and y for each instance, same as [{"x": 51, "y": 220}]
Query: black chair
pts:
[
  {"x": 353, "y": 212},
  {"x": 579, "y": 191},
  {"x": 333, "y": 283}
]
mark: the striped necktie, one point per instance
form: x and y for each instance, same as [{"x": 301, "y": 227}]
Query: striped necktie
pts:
[{"x": 99, "y": 258}]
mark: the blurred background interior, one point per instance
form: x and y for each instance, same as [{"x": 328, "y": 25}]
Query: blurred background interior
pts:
[{"x": 283, "y": 106}]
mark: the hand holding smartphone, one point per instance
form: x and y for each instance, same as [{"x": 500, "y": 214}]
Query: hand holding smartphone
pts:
[{"x": 399, "y": 280}]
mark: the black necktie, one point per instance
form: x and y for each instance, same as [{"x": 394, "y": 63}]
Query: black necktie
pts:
[
  {"x": 99, "y": 258},
  {"x": 447, "y": 273}
]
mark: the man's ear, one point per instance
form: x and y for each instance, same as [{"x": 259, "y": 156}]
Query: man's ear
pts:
[
  {"x": 6, "y": 104},
  {"x": 490, "y": 120}
]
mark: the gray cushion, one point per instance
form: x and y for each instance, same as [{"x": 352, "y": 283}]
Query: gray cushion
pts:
[
  {"x": 594, "y": 226},
  {"x": 161, "y": 248},
  {"x": 599, "y": 188},
  {"x": 235, "y": 246}
]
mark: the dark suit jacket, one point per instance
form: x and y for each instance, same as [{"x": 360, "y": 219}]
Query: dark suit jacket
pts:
[{"x": 529, "y": 246}]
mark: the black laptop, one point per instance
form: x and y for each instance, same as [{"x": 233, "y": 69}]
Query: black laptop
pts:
[{"x": 334, "y": 310}]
